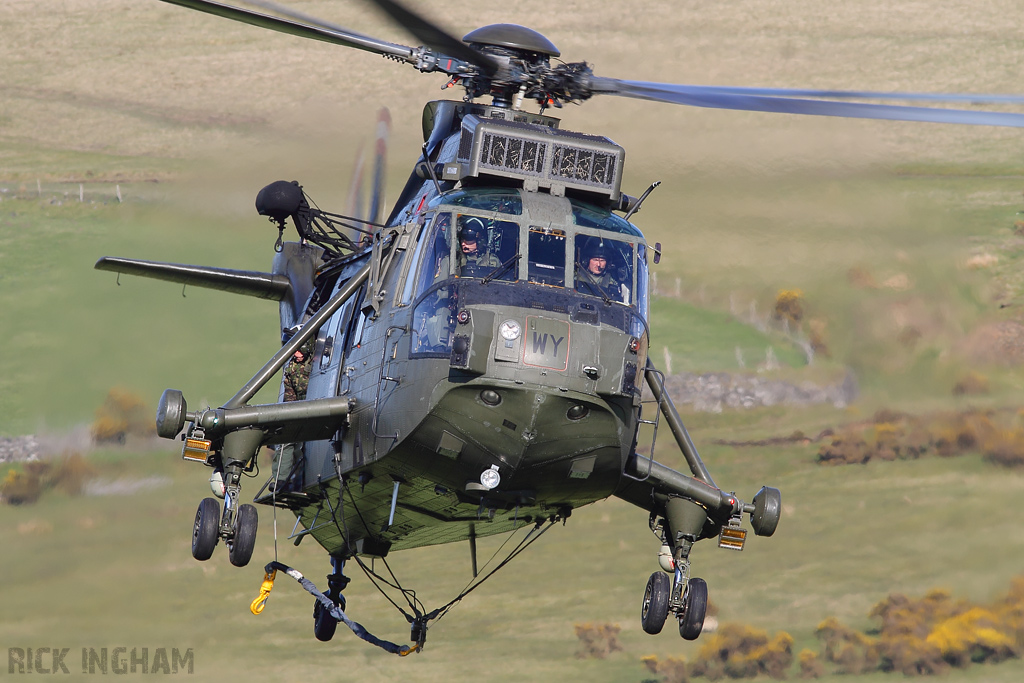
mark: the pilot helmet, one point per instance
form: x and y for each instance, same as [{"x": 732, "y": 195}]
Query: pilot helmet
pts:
[
  {"x": 472, "y": 229},
  {"x": 598, "y": 250}
]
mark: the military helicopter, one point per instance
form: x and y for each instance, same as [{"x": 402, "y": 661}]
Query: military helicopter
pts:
[{"x": 478, "y": 357}]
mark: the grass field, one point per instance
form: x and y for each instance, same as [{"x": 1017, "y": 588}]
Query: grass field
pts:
[{"x": 901, "y": 237}]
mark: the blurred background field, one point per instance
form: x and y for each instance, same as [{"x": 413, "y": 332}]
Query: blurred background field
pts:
[{"x": 901, "y": 238}]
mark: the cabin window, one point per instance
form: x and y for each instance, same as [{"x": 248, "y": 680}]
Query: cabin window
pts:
[
  {"x": 546, "y": 264},
  {"x": 484, "y": 246},
  {"x": 604, "y": 268}
]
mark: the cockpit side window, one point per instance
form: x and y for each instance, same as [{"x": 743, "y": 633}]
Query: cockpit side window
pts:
[
  {"x": 412, "y": 259},
  {"x": 547, "y": 256},
  {"x": 434, "y": 265},
  {"x": 641, "y": 279},
  {"x": 484, "y": 245},
  {"x": 604, "y": 268}
]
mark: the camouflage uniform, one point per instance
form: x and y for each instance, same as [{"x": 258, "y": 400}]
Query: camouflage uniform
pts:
[
  {"x": 296, "y": 381},
  {"x": 599, "y": 285},
  {"x": 479, "y": 264},
  {"x": 296, "y": 377}
]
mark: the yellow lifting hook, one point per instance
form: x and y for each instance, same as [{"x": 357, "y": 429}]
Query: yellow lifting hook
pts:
[{"x": 268, "y": 583}]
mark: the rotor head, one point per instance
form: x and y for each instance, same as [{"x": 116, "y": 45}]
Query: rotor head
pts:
[{"x": 518, "y": 39}]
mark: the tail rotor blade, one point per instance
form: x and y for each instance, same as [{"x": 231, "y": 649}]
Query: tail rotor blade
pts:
[
  {"x": 376, "y": 214},
  {"x": 354, "y": 201}
]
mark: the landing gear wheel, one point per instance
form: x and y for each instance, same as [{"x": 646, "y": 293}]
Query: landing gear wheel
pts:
[
  {"x": 205, "y": 529},
  {"x": 695, "y": 605},
  {"x": 241, "y": 547},
  {"x": 656, "y": 597},
  {"x": 324, "y": 624}
]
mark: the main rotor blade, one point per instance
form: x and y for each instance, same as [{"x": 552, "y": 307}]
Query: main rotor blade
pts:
[
  {"x": 723, "y": 98},
  {"x": 329, "y": 33},
  {"x": 436, "y": 37},
  {"x": 976, "y": 98}
]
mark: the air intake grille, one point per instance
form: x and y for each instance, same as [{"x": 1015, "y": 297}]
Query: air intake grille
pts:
[
  {"x": 545, "y": 156},
  {"x": 502, "y": 152},
  {"x": 583, "y": 165}
]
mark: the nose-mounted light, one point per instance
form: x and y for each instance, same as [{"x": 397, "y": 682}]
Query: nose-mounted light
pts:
[
  {"x": 463, "y": 316},
  {"x": 490, "y": 397},
  {"x": 490, "y": 478},
  {"x": 509, "y": 330},
  {"x": 634, "y": 344}
]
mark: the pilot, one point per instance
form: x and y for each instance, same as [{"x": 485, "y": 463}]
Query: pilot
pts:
[
  {"x": 598, "y": 279},
  {"x": 473, "y": 259},
  {"x": 296, "y": 380}
]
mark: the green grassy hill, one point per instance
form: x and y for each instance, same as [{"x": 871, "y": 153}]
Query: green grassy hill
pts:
[{"x": 901, "y": 237}]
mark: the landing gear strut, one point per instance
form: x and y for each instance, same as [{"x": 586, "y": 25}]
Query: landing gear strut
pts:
[
  {"x": 235, "y": 524},
  {"x": 683, "y": 596},
  {"x": 324, "y": 623}
]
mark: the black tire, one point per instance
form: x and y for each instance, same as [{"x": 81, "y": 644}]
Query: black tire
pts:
[
  {"x": 324, "y": 624},
  {"x": 655, "y": 608},
  {"x": 206, "y": 529},
  {"x": 695, "y": 606},
  {"x": 246, "y": 522}
]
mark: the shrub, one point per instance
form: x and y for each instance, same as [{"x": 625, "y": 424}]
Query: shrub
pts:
[
  {"x": 789, "y": 305},
  {"x": 818, "y": 337},
  {"x": 810, "y": 665},
  {"x": 1005, "y": 447},
  {"x": 861, "y": 278},
  {"x": 597, "y": 640},
  {"x": 121, "y": 414},
  {"x": 672, "y": 669},
  {"x": 70, "y": 474},
  {"x": 852, "y": 651},
  {"x": 845, "y": 448},
  {"x": 893, "y": 435},
  {"x": 739, "y": 651},
  {"x": 911, "y": 656},
  {"x": 972, "y": 636},
  {"x": 970, "y": 385},
  {"x": 19, "y": 488},
  {"x": 928, "y": 635}
]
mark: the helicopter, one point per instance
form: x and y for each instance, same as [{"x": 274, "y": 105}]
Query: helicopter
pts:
[{"x": 450, "y": 399}]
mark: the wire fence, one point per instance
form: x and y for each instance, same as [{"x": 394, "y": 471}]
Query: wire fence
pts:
[{"x": 65, "y": 192}]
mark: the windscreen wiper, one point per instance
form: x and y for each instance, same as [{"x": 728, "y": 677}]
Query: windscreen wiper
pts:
[
  {"x": 593, "y": 281},
  {"x": 500, "y": 270}
]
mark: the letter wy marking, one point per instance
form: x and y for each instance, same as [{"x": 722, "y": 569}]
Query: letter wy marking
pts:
[
  {"x": 540, "y": 343},
  {"x": 560, "y": 340}
]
